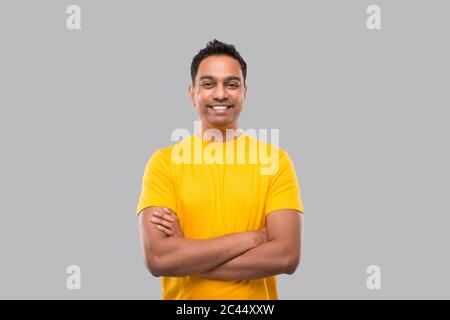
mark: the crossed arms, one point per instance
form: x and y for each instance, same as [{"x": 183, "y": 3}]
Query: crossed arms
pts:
[{"x": 248, "y": 255}]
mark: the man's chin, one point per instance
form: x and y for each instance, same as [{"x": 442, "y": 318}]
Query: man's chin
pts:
[{"x": 220, "y": 123}]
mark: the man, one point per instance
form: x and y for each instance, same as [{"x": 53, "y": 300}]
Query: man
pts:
[{"x": 219, "y": 228}]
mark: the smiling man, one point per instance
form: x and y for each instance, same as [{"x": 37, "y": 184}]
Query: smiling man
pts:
[{"x": 219, "y": 229}]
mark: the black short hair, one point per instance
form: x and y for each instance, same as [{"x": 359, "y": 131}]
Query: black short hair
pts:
[{"x": 217, "y": 48}]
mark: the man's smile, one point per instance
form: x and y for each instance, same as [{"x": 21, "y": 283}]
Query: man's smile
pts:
[{"x": 220, "y": 108}]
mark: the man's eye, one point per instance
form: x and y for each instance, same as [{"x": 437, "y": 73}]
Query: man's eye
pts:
[
  {"x": 207, "y": 84},
  {"x": 234, "y": 85}
]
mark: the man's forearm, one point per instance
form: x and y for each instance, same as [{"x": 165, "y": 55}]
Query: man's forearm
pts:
[
  {"x": 178, "y": 256},
  {"x": 265, "y": 260}
]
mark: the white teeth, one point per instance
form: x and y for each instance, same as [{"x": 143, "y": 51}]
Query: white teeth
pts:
[{"x": 220, "y": 107}]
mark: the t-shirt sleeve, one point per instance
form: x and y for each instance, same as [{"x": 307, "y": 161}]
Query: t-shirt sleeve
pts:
[
  {"x": 158, "y": 188},
  {"x": 284, "y": 189}
]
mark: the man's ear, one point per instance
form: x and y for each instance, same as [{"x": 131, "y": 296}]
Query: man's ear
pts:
[
  {"x": 191, "y": 93},
  {"x": 245, "y": 91}
]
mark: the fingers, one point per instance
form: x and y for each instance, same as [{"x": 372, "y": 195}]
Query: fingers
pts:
[
  {"x": 172, "y": 216},
  {"x": 162, "y": 222},
  {"x": 168, "y": 232},
  {"x": 166, "y": 214},
  {"x": 165, "y": 220}
]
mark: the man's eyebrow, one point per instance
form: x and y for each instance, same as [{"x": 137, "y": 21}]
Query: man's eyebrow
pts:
[{"x": 229, "y": 78}]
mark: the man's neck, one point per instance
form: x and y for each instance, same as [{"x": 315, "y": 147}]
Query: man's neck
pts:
[{"x": 227, "y": 134}]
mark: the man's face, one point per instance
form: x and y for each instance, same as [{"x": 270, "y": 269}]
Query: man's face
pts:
[{"x": 219, "y": 92}]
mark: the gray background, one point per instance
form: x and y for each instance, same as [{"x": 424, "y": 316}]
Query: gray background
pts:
[{"x": 362, "y": 113}]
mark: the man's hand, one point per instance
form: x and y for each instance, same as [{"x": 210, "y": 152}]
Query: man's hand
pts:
[
  {"x": 167, "y": 222},
  {"x": 280, "y": 254}
]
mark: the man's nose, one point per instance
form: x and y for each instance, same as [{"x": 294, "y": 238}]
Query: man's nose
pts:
[{"x": 220, "y": 92}]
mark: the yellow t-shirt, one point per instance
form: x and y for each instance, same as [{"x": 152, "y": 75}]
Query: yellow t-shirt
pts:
[{"x": 218, "y": 188}]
